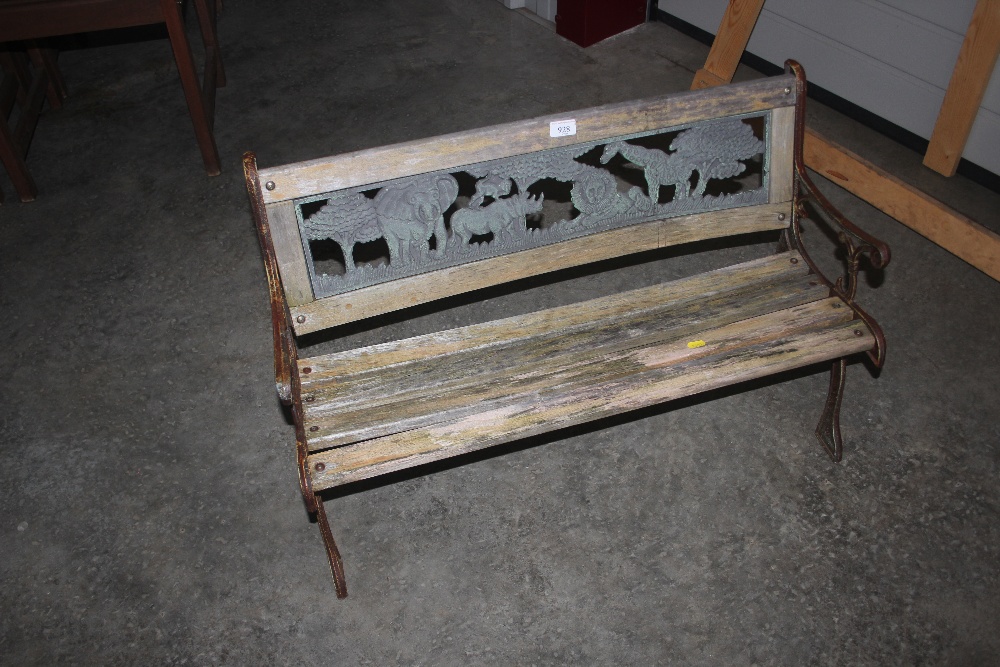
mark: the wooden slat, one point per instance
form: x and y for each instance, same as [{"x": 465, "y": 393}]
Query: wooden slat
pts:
[
  {"x": 781, "y": 170},
  {"x": 750, "y": 349},
  {"x": 972, "y": 73},
  {"x": 730, "y": 41},
  {"x": 398, "y": 294},
  {"x": 770, "y": 269},
  {"x": 408, "y": 396},
  {"x": 454, "y": 150},
  {"x": 284, "y": 226},
  {"x": 946, "y": 227}
]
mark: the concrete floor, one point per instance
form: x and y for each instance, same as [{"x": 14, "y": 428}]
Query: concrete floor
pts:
[{"x": 150, "y": 511}]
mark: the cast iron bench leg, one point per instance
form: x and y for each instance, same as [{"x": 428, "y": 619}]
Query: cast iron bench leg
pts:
[{"x": 828, "y": 430}]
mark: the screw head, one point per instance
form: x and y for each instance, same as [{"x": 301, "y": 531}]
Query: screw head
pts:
[
  {"x": 794, "y": 260},
  {"x": 320, "y": 467},
  {"x": 307, "y": 370},
  {"x": 270, "y": 185},
  {"x": 313, "y": 429},
  {"x": 858, "y": 333},
  {"x": 788, "y": 91},
  {"x": 310, "y": 399},
  {"x": 300, "y": 318},
  {"x": 781, "y": 216}
]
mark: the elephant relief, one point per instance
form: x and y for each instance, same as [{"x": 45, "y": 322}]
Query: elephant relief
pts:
[{"x": 411, "y": 212}]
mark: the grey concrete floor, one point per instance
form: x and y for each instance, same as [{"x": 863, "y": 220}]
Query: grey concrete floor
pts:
[{"x": 149, "y": 511}]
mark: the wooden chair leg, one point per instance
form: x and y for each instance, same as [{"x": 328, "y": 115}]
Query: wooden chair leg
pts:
[
  {"x": 19, "y": 86},
  {"x": 201, "y": 115},
  {"x": 828, "y": 430},
  {"x": 45, "y": 59},
  {"x": 208, "y": 21},
  {"x": 15, "y": 65},
  {"x": 332, "y": 552},
  {"x": 13, "y": 161}
]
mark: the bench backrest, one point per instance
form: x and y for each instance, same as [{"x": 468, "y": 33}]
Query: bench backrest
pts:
[{"x": 369, "y": 232}]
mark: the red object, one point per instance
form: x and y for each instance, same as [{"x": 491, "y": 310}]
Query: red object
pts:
[{"x": 589, "y": 21}]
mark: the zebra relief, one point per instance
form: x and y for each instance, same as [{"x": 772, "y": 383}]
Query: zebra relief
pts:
[{"x": 661, "y": 168}]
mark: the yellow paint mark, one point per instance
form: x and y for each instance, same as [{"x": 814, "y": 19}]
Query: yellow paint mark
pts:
[{"x": 696, "y": 343}]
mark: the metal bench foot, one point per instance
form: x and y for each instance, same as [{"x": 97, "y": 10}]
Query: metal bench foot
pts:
[
  {"x": 332, "y": 552},
  {"x": 828, "y": 430}
]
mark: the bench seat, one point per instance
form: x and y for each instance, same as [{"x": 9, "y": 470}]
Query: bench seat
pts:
[{"x": 395, "y": 405}]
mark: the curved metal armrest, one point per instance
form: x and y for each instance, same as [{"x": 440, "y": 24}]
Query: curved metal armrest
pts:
[{"x": 856, "y": 242}]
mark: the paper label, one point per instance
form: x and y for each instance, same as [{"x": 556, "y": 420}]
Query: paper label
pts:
[{"x": 562, "y": 128}]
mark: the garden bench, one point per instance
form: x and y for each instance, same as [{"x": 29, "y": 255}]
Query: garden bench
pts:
[{"x": 364, "y": 234}]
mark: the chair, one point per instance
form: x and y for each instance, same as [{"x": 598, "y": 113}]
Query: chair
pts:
[
  {"x": 24, "y": 85},
  {"x": 25, "y": 20}
]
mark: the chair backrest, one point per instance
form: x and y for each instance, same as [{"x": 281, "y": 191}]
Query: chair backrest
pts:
[{"x": 369, "y": 232}]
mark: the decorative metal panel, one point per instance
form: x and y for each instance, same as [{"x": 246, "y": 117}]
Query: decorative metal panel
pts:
[{"x": 376, "y": 233}]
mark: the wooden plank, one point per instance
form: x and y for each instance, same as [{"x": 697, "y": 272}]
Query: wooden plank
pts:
[
  {"x": 415, "y": 395},
  {"x": 628, "y": 317},
  {"x": 773, "y": 268},
  {"x": 454, "y": 150},
  {"x": 964, "y": 96},
  {"x": 946, "y": 227},
  {"x": 730, "y": 41},
  {"x": 284, "y": 226},
  {"x": 398, "y": 294},
  {"x": 781, "y": 171},
  {"x": 753, "y": 350}
]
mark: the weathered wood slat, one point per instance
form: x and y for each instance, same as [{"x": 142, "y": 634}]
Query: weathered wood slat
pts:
[
  {"x": 498, "y": 332},
  {"x": 374, "y": 165},
  {"x": 284, "y": 226},
  {"x": 402, "y": 398},
  {"x": 668, "y": 372},
  {"x": 398, "y": 294},
  {"x": 513, "y": 347},
  {"x": 495, "y": 332},
  {"x": 436, "y": 404},
  {"x": 781, "y": 170},
  {"x": 643, "y": 327}
]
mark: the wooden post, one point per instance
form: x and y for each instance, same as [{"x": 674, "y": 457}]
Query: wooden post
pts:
[
  {"x": 956, "y": 233},
  {"x": 965, "y": 91},
  {"x": 730, "y": 42},
  {"x": 959, "y": 235}
]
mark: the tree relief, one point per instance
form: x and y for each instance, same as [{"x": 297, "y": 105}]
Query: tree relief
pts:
[{"x": 362, "y": 236}]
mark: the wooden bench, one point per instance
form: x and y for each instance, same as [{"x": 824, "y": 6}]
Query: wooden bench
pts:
[{"x": 359, "y": 235}]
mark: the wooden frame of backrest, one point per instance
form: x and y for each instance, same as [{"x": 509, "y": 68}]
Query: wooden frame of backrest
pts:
[{"x": 277, "y": 189}]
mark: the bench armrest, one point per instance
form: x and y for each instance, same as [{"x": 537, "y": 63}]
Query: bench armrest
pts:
[{"x": 856, "y": 242}]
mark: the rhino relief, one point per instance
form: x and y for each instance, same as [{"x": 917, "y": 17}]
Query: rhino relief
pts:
[{"x": 500, "y": 218}]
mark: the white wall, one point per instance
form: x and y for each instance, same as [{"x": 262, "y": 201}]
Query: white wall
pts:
[
  {"x": 892, "y": 57},
  {"x": 544, "y": 8}
]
